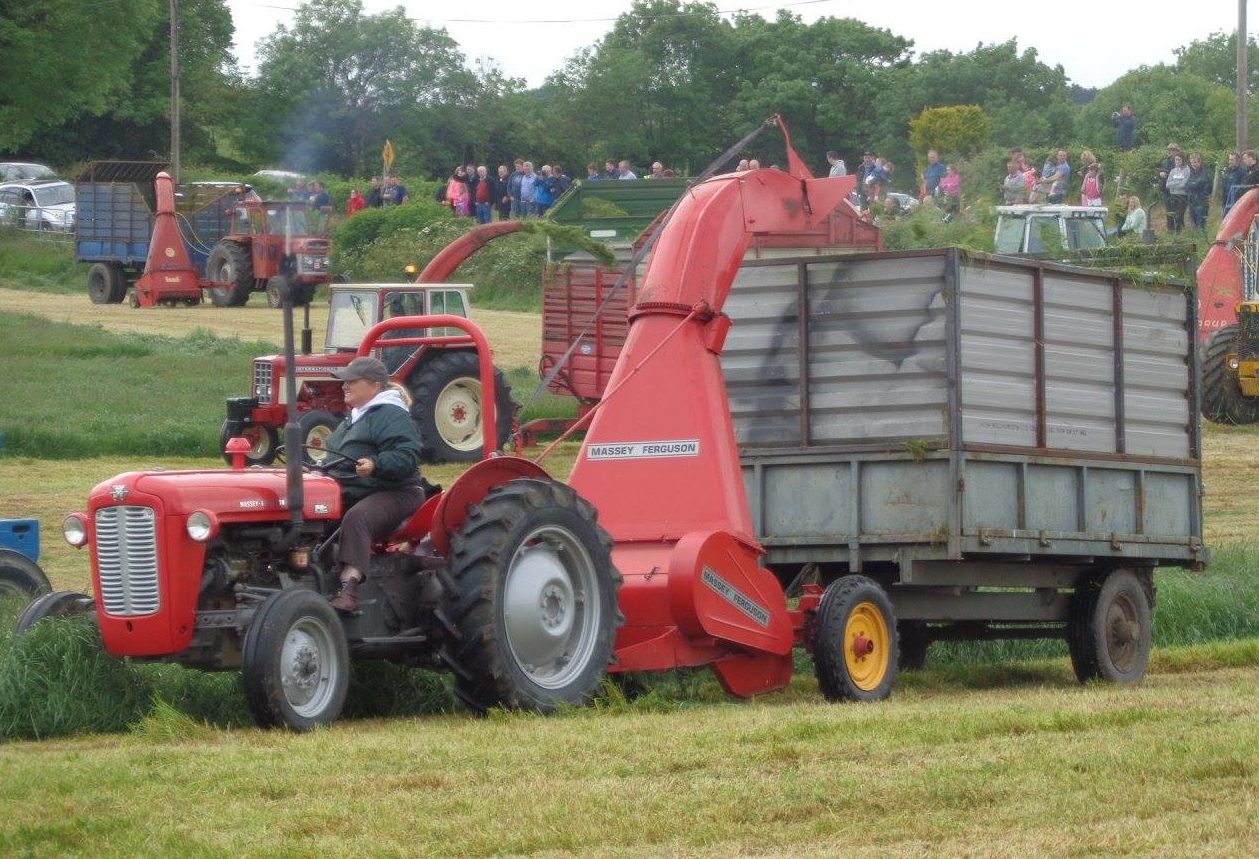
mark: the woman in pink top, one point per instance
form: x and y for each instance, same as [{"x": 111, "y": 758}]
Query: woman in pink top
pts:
[
  {"x": 951, "y": 188},
  {"x": 457, "y": 193}
]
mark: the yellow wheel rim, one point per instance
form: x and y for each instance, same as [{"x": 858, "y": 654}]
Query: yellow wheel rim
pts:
[{"x": 867, "y": 646}]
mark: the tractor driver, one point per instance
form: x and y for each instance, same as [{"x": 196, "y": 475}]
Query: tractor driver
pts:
[{"x": 380, "y": 481}]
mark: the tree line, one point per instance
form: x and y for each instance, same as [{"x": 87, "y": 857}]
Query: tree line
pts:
[{"x": 673, "y": 82}]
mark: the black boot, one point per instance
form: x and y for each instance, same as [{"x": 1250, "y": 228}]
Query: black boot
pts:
[{"x": 347, "y": 599}]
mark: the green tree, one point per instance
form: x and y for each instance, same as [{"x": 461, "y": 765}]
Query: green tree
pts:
[
  {"x": 1214, "y": 59},
  {"x": 958, "y": 131},
  {"x": 1171, "y": 105},
  {"x": 334, "y": 85},
  {"x": 60, "y": 64}
]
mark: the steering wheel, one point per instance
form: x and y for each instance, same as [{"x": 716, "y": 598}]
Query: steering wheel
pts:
[{"x": 321, "y": 467}]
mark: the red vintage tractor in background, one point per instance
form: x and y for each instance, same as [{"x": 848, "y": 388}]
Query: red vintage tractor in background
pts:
[{"x": 268, "y": 247}]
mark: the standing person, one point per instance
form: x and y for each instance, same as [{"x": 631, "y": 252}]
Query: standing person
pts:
[
  {"x": 838, "y": 168},
  {"x": 544, "y": 193},
  {"x": 932, "y": 174},
  {"x": 502, "y": 192},
  {"x": 863, "y": 170},
  {"x": 1201, "y": 184},
  {"x": 356, "y": 203},
  {"x": 484, "y": 194},
  {"x": 1172, "y": 151},
  {"x": 528, "y": 191},
  {"x": 657, "y": 170},
  {"x": 1134, "y": 223},
  {"x": 513, "y": 188},
  {"x": 1234, "y": 174},
  {"x": 562, "y": 180},
  {"x": 950, "y": 190},
  {"x": 472, "y": 179},
  {"x": 624, "y": 171},
  {"x": 610, "y": 171},
  {"x": 373, "y": 198},
  {"x": 394, "y": 193},
  {"x": 457, "y": 192},
  {"x": 1091, "y": 187},
  {"x": 1125, "y": 124},
  {"x": 1177, "y": 193},
  {"x": 380, "y": 480},
  {"x": 320, "y": 199},
  {"x": 1055, "y": 177},
  {"x": 299, "y": 193},
  {"x": 592, "y": 172},
  {"x": 1013, "y": 188}
]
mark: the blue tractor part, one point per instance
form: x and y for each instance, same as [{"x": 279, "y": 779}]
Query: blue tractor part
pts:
[{"x": 20, "y": 575}]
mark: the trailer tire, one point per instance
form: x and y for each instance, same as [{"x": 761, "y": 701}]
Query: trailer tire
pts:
[
  {"x": 20, "y": 577},
  {"x": 533, "y": 598},
  {"x": 55, "y": 604},
  {"x": 230, "y": 262},
  {"x": 1110, "y": 628},
  {"x": 855, "y": 613},
  {"x": 913, "y": 640},
  {"x": 264, "y": 441},
  {"x": 1222, "y": 398},
  {"x": 316, "y": 427},
  {"x": 106, "y": 283},
  {"x": 295, "y": 662},
  {"x": 447, "y": 407}
]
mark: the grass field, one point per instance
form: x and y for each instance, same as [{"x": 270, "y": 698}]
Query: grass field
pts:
[{"x": 993, "y": 751}]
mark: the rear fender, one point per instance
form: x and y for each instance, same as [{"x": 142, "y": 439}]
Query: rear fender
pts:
[{"x": 471, "y": 487}]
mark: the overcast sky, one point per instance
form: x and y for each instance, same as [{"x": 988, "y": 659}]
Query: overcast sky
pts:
[{"x": 1094, "y": 42}]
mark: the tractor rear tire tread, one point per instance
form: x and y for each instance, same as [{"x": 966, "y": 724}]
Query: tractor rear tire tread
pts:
[
  {"x": 1222, "y": 399},
  {"x": 479, "y": 552},
  {"x": 237, "y": 256}
]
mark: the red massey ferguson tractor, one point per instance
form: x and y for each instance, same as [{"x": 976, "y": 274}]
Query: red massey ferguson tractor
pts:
[
  {"x": 506, "y": 579},
  {"x": 442, "y": 375}
]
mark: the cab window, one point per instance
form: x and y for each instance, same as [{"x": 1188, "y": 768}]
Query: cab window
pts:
[
  {"x": 1010, "y": 235},
  {"x": 1086, "y": 233}
]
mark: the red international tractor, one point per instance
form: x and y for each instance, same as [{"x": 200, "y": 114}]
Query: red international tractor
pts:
[
  {"x": 442, "y": 375},
  {"x": 268, "y": 247}
]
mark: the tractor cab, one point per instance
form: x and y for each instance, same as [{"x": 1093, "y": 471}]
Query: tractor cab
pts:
[
  {"x": 353, "y": 308},
  {"x": 1036, "y": 229}
]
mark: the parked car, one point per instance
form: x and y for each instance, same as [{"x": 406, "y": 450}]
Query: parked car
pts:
[
  {"x": 20, "y": 171},
  {"x": 44, "y": 204}
]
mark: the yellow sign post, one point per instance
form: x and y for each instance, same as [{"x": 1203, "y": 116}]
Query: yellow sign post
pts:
[{"x": 386, "y": 155}]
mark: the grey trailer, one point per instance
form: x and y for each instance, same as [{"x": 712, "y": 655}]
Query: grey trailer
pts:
[{"x": 1008, "y": 447}]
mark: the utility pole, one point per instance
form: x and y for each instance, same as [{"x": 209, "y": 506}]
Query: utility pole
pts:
[
  {"x": 1243, "y": 75},
  {"x": 174, "y": 89}
]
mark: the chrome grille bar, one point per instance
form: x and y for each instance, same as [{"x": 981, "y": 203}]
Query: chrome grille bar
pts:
[{"x": 126, "y": 559}]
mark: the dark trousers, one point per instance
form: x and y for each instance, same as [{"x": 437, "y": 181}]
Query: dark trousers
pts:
[
  {"x": 1176, "y": 205},
  {"x": 372, "y": 519}
]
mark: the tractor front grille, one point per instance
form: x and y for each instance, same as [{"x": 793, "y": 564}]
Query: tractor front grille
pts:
[
  {"x": 263, "y": 378},
  {"x": 126, "y": 557}
]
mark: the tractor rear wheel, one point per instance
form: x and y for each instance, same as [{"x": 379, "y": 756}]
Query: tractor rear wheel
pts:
[
  {"x": 447, "y": 395},
  {"x": 231, "y": 263},
  {"x": 20, "y": 577},
  {"x": 533, "y": 601},
  {"x": 316, "y": 427},
  {"x": 295, "y": 662},
  {"x": 56, "y": 604},
  {"x": 1110, "y": 628},
  {"x": 264, "y": 442},
  {"x": 855, "y": 643},
  {"x": 106, "y": 283},
  {"x": 1222, "y": 398}
]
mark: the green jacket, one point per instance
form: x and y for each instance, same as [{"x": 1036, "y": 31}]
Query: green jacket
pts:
[{"x": 387, "y": 436}]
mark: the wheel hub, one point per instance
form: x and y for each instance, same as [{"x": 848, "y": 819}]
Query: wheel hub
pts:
[
  {"x": 305, "y": 673},
  {"x": 867, "y": 654}
]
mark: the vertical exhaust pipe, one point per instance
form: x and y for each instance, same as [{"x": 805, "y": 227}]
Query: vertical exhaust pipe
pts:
[{"x": 292, "y": 434}]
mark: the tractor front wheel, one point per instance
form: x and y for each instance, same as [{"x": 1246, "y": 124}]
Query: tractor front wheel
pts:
[
  {"x": 534, "y": 599},
  {"x": 295, "y": 662},
  {"x": 1110, "y": 628},
  {"x": 1222, "y": 397},
  {"x": 230, "y": 264},
  {"x": 20, "y": 577},
  {"x": 855, "y": 646},
  {"x": 263, "y": 442},
  {"x": 316, "y": 427},
  {"x": 447, "y": 395},
  {"x": 56, "y": 604}
]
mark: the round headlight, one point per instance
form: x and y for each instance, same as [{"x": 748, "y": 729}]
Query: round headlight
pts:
[
  {"x": 75, "y": 530},
  {"x": 201, "y": 526}
]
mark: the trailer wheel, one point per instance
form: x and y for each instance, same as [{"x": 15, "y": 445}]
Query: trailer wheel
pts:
[
  {"x": 1110, "y": 629},
  {"x": 1222, "y": 398},
  {"x": 263, "y": 441},
  {"x": 106, "y": 283},
  {"x": 20, "y": 577},
  {"x": 295, "y": 662},
  {"x": 316, "y": 428},
  {"x": 447, "y": 395},
  {"x": 533, "y": 601},
  {"x": 55, "y": 604},
  {"x": 230, "y": 262},
  {"x": 855, "y": 643}
]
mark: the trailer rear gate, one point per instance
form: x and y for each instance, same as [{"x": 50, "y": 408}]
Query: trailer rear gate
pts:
[{"x": 949, "y": 419}]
